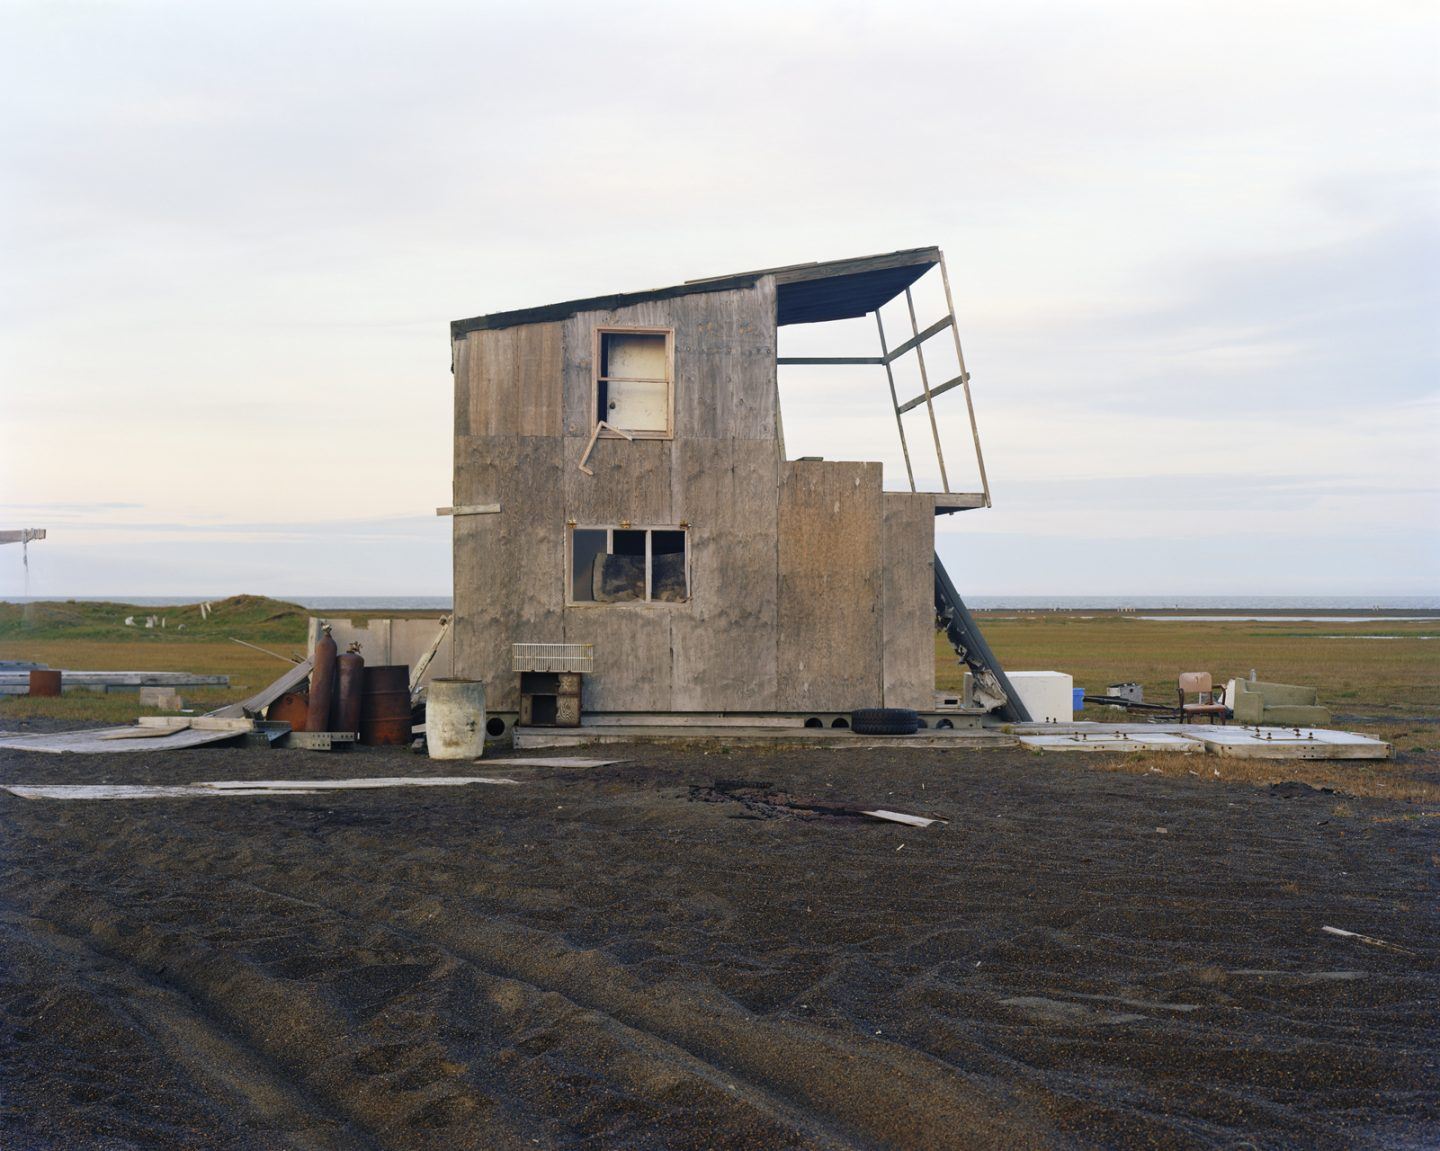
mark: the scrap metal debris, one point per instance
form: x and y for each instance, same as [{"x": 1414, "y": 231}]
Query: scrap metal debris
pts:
[{"x": 761, "y": 801}]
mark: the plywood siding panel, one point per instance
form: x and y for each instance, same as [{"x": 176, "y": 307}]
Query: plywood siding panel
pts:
[
  {"x": 509, "y": 568},
  {"x": 631, "y": 481},
  {"x": 831, "y": 587},
  {"x": 632, "y": 654},
  {"x": 725, "y": 646},
  {"x": 725, "y": 364},
  {"x": 909, "y": 622},
  {"x": 515, "y": 379}
]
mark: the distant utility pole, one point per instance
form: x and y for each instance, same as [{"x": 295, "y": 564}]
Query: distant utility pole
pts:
[{"x": 23, "y": 536}]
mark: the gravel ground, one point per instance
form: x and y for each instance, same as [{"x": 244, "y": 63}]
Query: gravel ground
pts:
[{"x": 635, "y": 957}]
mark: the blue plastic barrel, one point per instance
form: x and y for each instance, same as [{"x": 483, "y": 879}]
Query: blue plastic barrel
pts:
[{"x": 1079, "y": 702}]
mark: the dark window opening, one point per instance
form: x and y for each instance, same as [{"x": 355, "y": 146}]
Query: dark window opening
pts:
[{"x": 624, "y": 565}]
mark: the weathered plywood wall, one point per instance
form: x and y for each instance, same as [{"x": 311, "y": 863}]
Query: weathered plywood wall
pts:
[
  {"x": 800, "y": 573},
  {"x": 831, "y": 586},
  {"x": 909, "y": 626}
]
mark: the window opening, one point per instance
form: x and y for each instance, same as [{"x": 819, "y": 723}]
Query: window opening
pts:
[
  {"x": 628, "y": 565},
  {"x": 634, "y": 376}
]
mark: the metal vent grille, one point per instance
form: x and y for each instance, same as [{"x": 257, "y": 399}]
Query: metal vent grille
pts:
[{"x": 553, "y": 656}]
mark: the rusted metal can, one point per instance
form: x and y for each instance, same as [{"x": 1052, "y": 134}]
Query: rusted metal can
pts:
[
  {"x": 385, "y": 706},
  {"x": 322, "y": 683},
  {"x": 349, "y": 685},
  {"x": 293, "y": 708},
  {"x": 44, "y": 681}
]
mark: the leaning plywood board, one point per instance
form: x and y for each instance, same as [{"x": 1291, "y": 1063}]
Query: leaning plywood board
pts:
[
  {"x": 831, "y": 587},
  {"x": 266, "y": 696},
  {"x": 1284, "y": 743}
]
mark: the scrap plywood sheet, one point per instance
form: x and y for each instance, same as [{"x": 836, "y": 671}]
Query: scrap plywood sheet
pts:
[
  {"x": 831, "y": 587},
  {"x": 724, "y": 640},
  {"x": 509, "y": 567},
  {"x": 909, "y": 557}
]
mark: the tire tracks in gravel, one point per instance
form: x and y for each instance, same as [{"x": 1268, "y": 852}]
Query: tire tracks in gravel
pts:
[
  {"x": 876, "y": 1092},
  {"x": 260, "y": 1096}
]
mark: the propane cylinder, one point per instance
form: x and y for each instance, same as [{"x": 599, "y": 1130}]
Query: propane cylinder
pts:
[
  {"x": 349, "y": 686},
  {"x": 322, "y": 683}
]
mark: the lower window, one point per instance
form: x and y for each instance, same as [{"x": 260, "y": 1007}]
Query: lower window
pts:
[{"x": 629, "y": 565}]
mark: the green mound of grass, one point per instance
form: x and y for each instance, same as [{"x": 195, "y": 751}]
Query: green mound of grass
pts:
[{"x": 249, "y": 617}]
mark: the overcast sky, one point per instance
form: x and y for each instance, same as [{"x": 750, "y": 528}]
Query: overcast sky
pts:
[{"x": 1194, "y": 249}]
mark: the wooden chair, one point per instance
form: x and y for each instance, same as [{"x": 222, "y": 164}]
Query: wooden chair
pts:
[{"x": 1197, "y": 683}]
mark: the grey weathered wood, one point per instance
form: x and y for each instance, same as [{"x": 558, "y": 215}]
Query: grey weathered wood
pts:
[
  {"x": 784, "y": 361},
  {"x": 632, "y": 654},
  {"x": 629, "y": 481},
  {"x": 909, "y": 621},
  {"x": 509, "y": 568},
  {"x": 724, "y": 646},
  {"x": 918, "y": 339},
  {"x": 725, "y": 365},
  {"x": 940, "y": 390},
  {"x": 513, "y": 380},
  {"x": 925, "y": 383},
  {"x": 469, "y": 510},
  {"x": 830, "y": 587},
  {"x": 268, "y": 694}
]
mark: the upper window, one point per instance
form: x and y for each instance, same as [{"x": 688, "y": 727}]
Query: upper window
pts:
[{"x": 634, "y": 380}]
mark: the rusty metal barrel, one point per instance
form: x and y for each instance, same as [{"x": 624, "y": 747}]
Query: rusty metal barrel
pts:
[
  {"x": 322, "y": 683},
  {"x": 293, "y": 708},
  {"x": 349, "y": 684},
  {"x": 44, "y": 681},
  {"x": 385, "y": 706}
]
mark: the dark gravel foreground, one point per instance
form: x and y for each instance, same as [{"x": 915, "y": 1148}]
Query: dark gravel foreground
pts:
[{"x": 625, "y": 957}]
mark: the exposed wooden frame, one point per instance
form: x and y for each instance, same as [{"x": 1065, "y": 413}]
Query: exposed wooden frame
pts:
[
  {"x": 925, "y": 383},
  {"x": 964, "y": 378},
  {"x": 610, "y": 530},
  {"x": 614, "y": 430},
  {"x": 899, "y": 423}
]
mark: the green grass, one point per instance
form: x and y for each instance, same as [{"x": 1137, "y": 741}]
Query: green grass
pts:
[{"x": 248, "y": 617}]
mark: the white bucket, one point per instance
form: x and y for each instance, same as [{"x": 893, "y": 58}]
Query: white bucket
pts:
[{"x": 455, "y": 719}]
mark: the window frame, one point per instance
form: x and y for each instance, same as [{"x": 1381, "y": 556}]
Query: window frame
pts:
[
  {"x": 571, "y": 527},
  {"x": 597, "y": 339}
]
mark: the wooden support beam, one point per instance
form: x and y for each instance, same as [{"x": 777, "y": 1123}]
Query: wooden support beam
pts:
[
  {"x": 925, "y": 383},
  {"x": 938, "y": 326},
  {"x": 936, "y": 391},
  {"x": 965, "y": 379},
  {"x": 830, "y": 359},
  {"x": 469, "y": 510}
]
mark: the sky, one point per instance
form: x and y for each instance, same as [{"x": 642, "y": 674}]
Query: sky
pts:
[{"x": 1195, "y": 252}]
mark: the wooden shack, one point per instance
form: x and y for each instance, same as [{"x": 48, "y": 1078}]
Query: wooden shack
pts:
[{"x": 621, "y": 480}]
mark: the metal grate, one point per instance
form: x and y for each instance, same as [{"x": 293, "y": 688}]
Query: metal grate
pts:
[{"x": 554, "y": 656}]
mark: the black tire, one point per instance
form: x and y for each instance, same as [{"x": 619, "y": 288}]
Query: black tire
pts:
[{"x": 884, "y": 721}]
